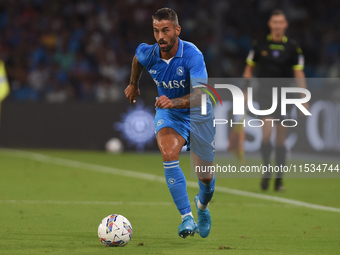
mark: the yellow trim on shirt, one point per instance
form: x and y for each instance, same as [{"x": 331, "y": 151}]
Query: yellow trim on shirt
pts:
[
  {"x": 270, "y": 38},
  {"x": 298, "y": 67},
  {"x": 250, "y": 62}
]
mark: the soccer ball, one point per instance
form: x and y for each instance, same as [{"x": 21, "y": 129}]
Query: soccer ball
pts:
[
  {"x": 115, "y": 230},
  {"x": 114, "y": 145}
]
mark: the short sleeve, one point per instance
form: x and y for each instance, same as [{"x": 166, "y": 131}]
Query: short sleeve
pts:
[
  {"x": 253, "y": 56},
  {"x": 298, "y": 60},
  {"x": 142, "y": 53},
  {"x": 197, "y": 70}
]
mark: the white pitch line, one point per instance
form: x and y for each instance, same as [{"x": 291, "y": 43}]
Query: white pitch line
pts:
[
  {"x": 106, "y": 203},
  {"x": 152, "y": 177},
  {"x": 83, "y": 202}
]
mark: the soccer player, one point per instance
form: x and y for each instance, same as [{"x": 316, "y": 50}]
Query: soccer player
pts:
[
  {"x": 276, "y": 56},
  {"x": 178, "y": 68}
]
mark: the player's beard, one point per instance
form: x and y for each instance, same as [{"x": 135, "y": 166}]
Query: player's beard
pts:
[{"x": 169, "y": 46}]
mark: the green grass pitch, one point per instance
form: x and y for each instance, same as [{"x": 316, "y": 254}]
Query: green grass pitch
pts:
[{"x": 52, "y": 208}]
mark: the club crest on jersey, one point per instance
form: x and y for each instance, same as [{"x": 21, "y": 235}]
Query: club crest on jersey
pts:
[{"x": 180, "y": 71}]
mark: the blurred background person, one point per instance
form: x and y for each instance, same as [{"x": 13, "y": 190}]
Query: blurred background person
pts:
[{"x": 275, "y": 56}]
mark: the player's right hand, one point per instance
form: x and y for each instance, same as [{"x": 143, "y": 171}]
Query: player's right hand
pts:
[{"x": 131, "y": 93}]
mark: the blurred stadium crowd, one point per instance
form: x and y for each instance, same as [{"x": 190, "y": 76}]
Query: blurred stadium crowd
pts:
[{"x": 61, "y": 50}]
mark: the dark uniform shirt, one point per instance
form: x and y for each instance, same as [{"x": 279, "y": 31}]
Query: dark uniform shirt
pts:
[{"x": 276, "y": 59}]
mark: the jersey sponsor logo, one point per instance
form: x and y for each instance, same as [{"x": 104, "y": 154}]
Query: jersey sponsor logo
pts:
[
  {"x": 180, "y": 71},
  {"x": 152, "y": 71},
  {"x": 171, "y": 84},
  {"x": 160, "y": 122}
]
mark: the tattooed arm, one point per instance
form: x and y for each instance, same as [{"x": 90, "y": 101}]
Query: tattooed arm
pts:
[
  {"x": 136, "y": 72},
  {"x": 188, "y": 101},
  {"x": 132, "y": 90}
]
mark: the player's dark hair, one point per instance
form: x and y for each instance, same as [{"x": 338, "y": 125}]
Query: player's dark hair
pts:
[
  {"x": 166, "y": 14},
  {"x": 276, "y": 12}
]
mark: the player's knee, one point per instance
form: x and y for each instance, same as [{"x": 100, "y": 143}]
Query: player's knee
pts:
[
  {"x": 266, "y": 138},
  {"x": 169, "y": 155},
  {"x": 280, "y": 142}
]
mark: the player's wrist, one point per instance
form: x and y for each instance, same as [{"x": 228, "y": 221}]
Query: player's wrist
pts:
[
  {"x": 134, "y": 84},
  {"x": 180, "y": 103},
  {"x": 174, "y": 103}
]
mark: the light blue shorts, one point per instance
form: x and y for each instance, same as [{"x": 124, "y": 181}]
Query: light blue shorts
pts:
[{"x": 199, "y": 136}]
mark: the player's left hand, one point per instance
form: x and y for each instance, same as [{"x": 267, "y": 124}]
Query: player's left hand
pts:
[{"x": 163, "y": 102}]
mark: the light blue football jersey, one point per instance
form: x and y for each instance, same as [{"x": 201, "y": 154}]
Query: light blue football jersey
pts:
[{"x": 177, "y": 76}]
